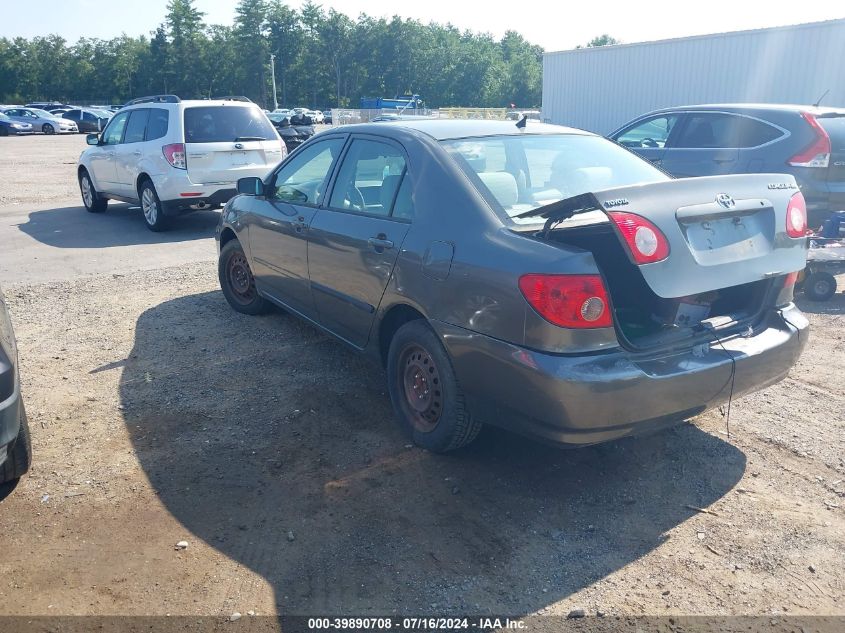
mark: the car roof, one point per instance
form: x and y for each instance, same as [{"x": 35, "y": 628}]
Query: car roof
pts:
[
  {"x": 747, "y": 107},
  {"x": 444, "y": 129}
]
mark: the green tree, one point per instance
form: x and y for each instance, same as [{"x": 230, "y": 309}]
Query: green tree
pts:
[
  {"x": 601, "y": 40},
  {"x": 186, "y": 42}
]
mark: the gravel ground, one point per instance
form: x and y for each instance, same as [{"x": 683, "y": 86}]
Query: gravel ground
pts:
[{"x": 159, "y": 415}]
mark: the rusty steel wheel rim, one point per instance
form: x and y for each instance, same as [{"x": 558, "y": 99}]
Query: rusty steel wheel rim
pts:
[
  {"x": 421, "y": 387},
  {"x": 240, "y": 279}
]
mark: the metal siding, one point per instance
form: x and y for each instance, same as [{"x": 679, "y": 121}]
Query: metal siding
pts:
[{"x": 599, "y": 89}]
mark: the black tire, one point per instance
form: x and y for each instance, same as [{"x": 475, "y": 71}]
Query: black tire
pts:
[
  {"x": 151, "y": 208},
  {"x": 819, "y": 286},
  {"x": 94, "y": 203},
  {"x": 425, "y": 394},
  {"x": 48, "y": 129},
  {"x": 237, "y": 282},
  {"x": 4, "y": 131},
  {"x": 19, "y": 455}
]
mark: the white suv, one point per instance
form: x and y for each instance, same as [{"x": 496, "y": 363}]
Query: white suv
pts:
[{"x": 173, "y": 156}]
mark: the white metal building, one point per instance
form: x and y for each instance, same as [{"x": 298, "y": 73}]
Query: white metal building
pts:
[{"x": 599, "y": 89}]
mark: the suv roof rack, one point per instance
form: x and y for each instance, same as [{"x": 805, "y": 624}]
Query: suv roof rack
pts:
[
  {"x": 154, "y": 99},
  {"x": 232, "y": 98}
]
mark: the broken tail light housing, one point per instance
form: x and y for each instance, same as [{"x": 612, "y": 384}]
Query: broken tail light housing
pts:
[{"x": 572, "y": 301}]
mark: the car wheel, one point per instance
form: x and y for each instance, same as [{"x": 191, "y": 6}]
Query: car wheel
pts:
[
  {"x": 819, "y": 286},
  {"x": 237, "y": 281},
  {"x": 20, "y": 454},
  {"x": 93, "y": 201},
  {"x": 424, "y": 391},
  {"x": 48, "y": 129},
  {"x": 4, "y": 131},
  {"x": 151, "y": 206}
]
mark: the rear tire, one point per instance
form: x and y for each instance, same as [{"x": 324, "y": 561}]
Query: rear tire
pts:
[
  {"x": 154, "y": 217},
  {"x": 237, "y": 281},
  {"x": 91, "y": 198},
  {"x": 819, "y": 286},
  {"x": 424, "y": 391},
  {"x": 19, "y": 457}
]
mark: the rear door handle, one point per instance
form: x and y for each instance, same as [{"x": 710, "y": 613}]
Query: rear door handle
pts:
[
  {"x": 137, "y": 152},
  {"x": 380, "y": 243}
]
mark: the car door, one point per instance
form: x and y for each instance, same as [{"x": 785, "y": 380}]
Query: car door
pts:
[
  {"x": 354, "y": 241},
  {"x": 279, "y": 223},
  {"x": 102, "y": 157},
  {"x": 648, "y": 137},
  {"x": 129, "y": 151},
  {"x": 706, "y": 144}
]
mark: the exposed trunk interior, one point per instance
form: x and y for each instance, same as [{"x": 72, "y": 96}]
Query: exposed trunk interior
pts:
[{"x": 646, "y": 320}]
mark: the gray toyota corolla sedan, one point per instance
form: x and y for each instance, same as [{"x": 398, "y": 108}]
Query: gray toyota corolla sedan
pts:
[{"x": 544, "y": 279}]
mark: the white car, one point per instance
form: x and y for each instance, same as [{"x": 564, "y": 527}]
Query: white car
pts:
[
  {"x": 41, "y": 120},
  {"x": 316, "y": 116},
  {"x": 173, "y": 157}
]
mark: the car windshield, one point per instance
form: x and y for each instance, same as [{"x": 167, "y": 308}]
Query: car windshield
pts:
[
  {"x": 42, "y": 113},
  {"x": 3, "y": 117},
  {"x": 525, "y": 172},
  {"x": 215, "y": 124}
]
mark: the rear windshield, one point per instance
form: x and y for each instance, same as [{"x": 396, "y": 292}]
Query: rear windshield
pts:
[
  {"x": 522, "y": 173},
  {"x": 215, "y": 124}
]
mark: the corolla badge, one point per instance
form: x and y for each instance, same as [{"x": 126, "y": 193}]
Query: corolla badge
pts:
[{"x": 725, "y": 200}]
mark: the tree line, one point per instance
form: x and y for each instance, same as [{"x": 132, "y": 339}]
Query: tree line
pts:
[{"x": 322, "y": 59}]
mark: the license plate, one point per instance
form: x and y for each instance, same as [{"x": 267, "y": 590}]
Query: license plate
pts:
[{"x": 239, "y": 158}]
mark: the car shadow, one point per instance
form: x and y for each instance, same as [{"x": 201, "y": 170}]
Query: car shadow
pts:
[
  {"x": 121, "y": 225},
  {"x": 834, "y": 305},
  {"x": 277, "y": 446}
]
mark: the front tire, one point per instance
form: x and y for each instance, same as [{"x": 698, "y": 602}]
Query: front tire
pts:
[
  {"x": 237, "y": 281},
  {"x": 424, "y": 391},
  {"x": 19, "y": 457},
  {"x": 48, "y": 129},
  {"x": 154, "y": 217},
  {"x": 819, "y": 286},
  {"x": 91, "y": 198}
]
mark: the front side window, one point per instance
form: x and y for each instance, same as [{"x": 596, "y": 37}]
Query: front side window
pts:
[
  {"x": 229, "y": 123},
  {"x": 522, "y": 173},
  {"x": 369, "y": 178},
  {"x": 303, "y": 179},
  {"x": 652, "y": 133},
  {"x": 114, "y": 132},
  {"x": 136, "y": 126}
]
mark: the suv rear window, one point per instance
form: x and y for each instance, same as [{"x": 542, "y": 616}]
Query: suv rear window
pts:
[{"x": 216, "y": 124}]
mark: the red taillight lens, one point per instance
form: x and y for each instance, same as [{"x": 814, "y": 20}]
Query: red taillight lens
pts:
[
  {"x": 796, "y": 216},
  {"x": 790, "y": 280},
  {"x": 575, "y": 301},
  {"x": 818, "y": 153},
  {"x": 646, "y": 243},
  {"x": 175, "y": 155}
]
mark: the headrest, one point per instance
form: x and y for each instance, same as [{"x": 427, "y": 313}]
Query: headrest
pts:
[{"x": 502, "y": 185}]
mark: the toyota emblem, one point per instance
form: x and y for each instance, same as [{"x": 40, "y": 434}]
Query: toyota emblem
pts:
[{"x": 725, "y": 201}]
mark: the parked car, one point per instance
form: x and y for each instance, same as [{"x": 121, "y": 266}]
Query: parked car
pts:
[
  {"x": 292, "y": 135},
  {"x": 804, "y": 141},
  {"x": 9, "y": 126},
  {"x": 327, "y": 117},
  {"x": 46, "y": 105},
  {"x": 41, "y": 120},
  {"x": 87, "y": 120},
  {"x": 545, "y": 280},
  {"x": 173, "y": 156},
  {"x": 15, "y": 446},
  {"x": 59, "y": 111},
  {"x": 316, "y": 116}
]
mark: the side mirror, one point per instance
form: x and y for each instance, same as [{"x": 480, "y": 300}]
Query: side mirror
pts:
[
  {"x": 93, "y": 139},
  {"x": 251, "y": 186}
]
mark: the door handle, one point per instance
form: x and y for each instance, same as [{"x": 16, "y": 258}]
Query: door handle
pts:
[
  {"x": 380, "y": 243},
  {"x": 137, "y": 152},
  {"x": 723, "y": 160}
]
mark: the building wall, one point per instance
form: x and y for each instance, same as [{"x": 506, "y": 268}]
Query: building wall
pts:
[{"x": 599, "y": 89}]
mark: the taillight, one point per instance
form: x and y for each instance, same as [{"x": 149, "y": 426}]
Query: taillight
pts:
[
  {"x": 796, "y": 216},
  {"x": 791, "y": 279},
  {"x": 574, "y": 301},
  {"x": 646, "y": 243},
  {"x": 175, "y": 155},
  {"x": 818, "y": 153}
]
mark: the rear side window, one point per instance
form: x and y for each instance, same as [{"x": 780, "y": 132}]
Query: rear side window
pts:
[
  {"x": 218, "y": 124},
  {"x": 724, "y": 131},
  {"x": 157, "y": 124},
  {"x": 136, "y": 126}
]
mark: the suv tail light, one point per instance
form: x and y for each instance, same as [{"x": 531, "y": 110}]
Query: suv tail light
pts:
[
  {"x": 818, "y": 153},
  {"x": 796, "y": 216},
  {"x": 646, "y": 243},
  {"x": 175, "y": 155},
  {"x": 574, "y": 301}
]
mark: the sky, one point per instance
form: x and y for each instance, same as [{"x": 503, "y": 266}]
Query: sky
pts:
[{"x": 558, "y": 25}]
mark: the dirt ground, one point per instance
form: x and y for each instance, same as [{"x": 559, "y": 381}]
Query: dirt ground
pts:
[{"x": 160, "y": 415}]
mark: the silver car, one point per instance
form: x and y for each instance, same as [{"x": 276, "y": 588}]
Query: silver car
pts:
[{"x": 41, "y": 120}]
